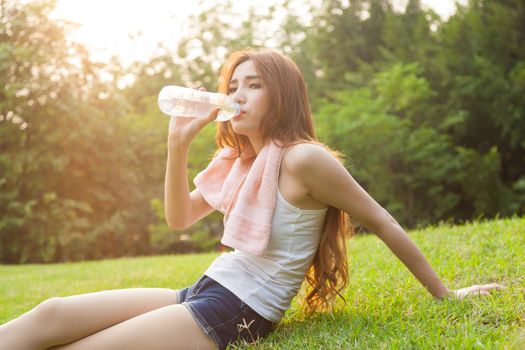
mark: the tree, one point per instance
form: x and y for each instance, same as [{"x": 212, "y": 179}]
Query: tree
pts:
[{"x": 60, "y": 135}]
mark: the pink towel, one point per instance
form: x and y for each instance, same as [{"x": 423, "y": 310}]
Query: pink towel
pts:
[{"x": 244, "y": 189}]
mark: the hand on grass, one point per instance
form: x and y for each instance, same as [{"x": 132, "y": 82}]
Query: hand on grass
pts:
[{"x": 477, "y": 289}]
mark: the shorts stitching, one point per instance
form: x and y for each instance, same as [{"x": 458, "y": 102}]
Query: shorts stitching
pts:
[
  {"x": 197, "y": 288},
  {"x": 178, "y": 293},
  {"x": 230, "y": 319}
]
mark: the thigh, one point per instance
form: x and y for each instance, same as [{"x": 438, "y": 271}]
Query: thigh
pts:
[
  {"x": 170, "y": 327},
  {"x": 77, "y": 316}
]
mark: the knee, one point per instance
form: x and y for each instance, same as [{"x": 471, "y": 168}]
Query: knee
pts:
[
  {"x": 31, "y": 330},
  {"x": 48, "y": 310}
]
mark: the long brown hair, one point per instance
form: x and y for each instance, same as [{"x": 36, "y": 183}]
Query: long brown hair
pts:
[{"x": 289, "y": 121}]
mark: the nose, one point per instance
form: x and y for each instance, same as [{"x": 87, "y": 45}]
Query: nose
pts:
[{"x": 239, "y": 97}]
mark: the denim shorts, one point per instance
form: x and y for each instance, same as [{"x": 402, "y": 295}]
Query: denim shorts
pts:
[{"x": 221, "y": 314}]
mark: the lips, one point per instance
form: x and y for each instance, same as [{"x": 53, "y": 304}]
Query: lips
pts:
[{"x": 241, "y": 114}]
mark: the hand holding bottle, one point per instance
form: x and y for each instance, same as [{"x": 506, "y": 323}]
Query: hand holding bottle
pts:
[{"x": 182, "y": 131}]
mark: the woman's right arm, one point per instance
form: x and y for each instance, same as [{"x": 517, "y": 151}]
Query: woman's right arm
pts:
[{"x": 182, "y": 208}]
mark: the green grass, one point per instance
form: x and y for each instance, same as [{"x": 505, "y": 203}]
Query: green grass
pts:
[{"x": 386, "y": 307}]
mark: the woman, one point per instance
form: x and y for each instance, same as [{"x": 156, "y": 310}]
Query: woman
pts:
[{"x": 244, "y": 293}]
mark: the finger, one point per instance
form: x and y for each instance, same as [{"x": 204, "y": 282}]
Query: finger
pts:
[
  {"x": 492, "y": 286},
  {"x": 213, "y": 114},
  {"x": 476, "y": 293},
  {"x": 209, "y": 118},
  {"x": 202, "y": 88}
]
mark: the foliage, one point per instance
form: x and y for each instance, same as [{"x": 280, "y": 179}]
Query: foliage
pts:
[
  {"x": 413, "y": 168},
  {"x": 67, "y": 193},
  {"x": 433, "y": 111},
  {"x": 430, "y": 112}
]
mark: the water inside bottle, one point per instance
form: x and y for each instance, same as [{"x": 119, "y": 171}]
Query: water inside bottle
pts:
[
  {"x": 193, "y": 104},
  {"x": 227, "y": 112}
]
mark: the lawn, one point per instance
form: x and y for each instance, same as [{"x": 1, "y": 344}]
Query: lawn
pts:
[{"x": 386, "y": 307}]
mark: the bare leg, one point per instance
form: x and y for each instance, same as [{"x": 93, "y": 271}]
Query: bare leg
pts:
[
  {"x": 63, "y": 320},
  {"x": 171, "y": 327}
]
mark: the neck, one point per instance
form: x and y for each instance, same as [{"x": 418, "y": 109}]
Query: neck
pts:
[{"x": 257, "y": 144}]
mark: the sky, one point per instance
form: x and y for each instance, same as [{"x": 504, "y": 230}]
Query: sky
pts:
[{"x": 132, "y": 29}]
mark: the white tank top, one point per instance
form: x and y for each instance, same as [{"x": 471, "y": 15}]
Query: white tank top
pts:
[{"x": 269, "y": 282}]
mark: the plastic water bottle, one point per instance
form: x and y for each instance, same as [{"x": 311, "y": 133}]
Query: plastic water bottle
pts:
[{"x": 185, "y": 102}]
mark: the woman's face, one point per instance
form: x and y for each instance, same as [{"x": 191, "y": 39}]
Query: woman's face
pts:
[{"x": 248, "y": 90}]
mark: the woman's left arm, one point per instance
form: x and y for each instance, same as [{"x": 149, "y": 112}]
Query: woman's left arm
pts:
[{"x": 329, "y": 182}]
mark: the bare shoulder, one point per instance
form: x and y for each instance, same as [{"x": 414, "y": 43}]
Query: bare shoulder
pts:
[
  {"x": 304, "y": 157},
  {"x": 327, "y": 181}
]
